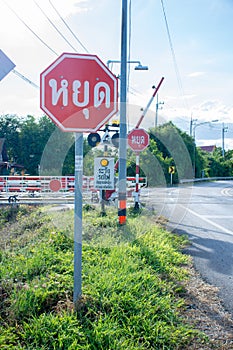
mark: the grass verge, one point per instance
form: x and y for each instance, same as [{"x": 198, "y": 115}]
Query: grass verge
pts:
[{"x": 132, "y": 290}]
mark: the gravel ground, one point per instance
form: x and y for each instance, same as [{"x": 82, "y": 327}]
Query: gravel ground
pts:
[{"x": 205, "y": 311}]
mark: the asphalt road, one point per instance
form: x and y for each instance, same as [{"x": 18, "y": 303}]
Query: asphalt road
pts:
[{"x": 204, "y": 211}]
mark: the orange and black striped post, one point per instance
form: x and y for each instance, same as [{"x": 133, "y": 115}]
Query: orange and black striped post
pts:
[{"x": 122, "y": 209}]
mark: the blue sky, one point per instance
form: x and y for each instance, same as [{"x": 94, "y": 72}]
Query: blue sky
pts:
[{"x": 198, "y": 84}]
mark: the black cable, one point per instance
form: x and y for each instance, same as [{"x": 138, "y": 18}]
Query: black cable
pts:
[
  {"x": 55, "y": 26},
  {"x": 178, "y": 77},
  {"x": 68, "y": 26},
  {"x": 37, "y": 36}
]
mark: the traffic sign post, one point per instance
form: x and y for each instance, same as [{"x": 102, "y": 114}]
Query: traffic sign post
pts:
[
  {"x": 6, "y": 65},
  {"x": 138, "y": 140},
  {"x": 104, "y": 177},
  {"x": 171, "y": 171},
  {"x": 78, "y": 202},
  {"x": 104, "y": 173},
  {"x": 79, "y": 94}
]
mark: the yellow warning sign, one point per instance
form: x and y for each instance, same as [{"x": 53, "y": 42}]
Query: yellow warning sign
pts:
[{"x": 172, "y": 169}]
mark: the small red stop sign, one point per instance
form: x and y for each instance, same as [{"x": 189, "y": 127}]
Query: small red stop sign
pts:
[{"x": 138, "y": 140}]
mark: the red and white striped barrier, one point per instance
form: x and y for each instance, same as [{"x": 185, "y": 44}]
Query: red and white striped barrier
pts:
[{"x": 31, "y": 184}]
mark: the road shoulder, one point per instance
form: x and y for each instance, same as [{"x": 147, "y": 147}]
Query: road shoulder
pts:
[{"x": 205, "y": 311}]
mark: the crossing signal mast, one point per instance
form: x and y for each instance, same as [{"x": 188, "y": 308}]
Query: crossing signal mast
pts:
[{"x": 94, "y": 139}]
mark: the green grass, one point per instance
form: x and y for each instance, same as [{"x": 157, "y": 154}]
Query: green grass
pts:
[{"x": 130, "y": 290}]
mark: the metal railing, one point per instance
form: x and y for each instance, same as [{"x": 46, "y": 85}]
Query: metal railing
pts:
[
  {"x": 52, "y": 184},
  {"x": 205, "y": 179}
]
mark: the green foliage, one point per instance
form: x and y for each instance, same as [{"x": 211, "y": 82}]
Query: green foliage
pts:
[
  {"x": 130, "y": 294},
  {"x": 10, "y": 130},
  {"x": 169, "y": 146},
  {"x": 40, "y": 144},
  {"x": 49, "y": 331},
  {"x": 217, "y": 165},
  {"x": 58, "y": 154},
  {"x": 28, "y": 138}
]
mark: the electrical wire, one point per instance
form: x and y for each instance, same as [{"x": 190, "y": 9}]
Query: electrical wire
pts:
[
  {"x": 25, "y": 78},
  {"x": 67, "y": 26},
  {"x": 32, "y": 31},
  {"x": 132, "y": 92},
  {"x": 178, "y": 77},
  {"x": 54, "y": 26}
]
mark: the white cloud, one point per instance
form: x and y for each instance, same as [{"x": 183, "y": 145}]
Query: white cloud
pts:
[
  {"x": 213, "y": 109},
  {"x": 196, "y": 74},
  {"x": 16, "y": 17}
]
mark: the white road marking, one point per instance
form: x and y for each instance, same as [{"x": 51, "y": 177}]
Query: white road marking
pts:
[
  {"x": 227, "y": 192},
  {"x": 204, "y": 218},
  {"x": 219, "y": 216}
]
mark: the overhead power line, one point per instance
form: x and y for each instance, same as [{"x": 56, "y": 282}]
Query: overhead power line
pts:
[
  {"x": 67, "y": 26},
  {"x": 25, "y": 79},
  {"x": 54, "y": 26},
  {"x": 32, "y": 31},
  {"x": 178, "y": 77}
]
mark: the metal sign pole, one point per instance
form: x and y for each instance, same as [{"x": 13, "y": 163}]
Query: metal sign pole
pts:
[
  {"x": 78, "y": 217},
  {"x": 136, "y": 204},
  {"x": 61, "y": 107},
  {"x": 123, "y": 125},
  {"x": 103, "y": 192}
]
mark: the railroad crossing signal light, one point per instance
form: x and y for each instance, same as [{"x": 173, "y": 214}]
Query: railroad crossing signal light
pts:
[
  {"x": 116, "y": 122},
  {"x": 104, "y": 162},
  {"x": 93, "y": 139},
  {"x": 172, "y": 169},
  {"x": 115, "y": 139}
]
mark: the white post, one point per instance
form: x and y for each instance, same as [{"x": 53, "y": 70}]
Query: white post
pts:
[{"x": 136, "y": 204}]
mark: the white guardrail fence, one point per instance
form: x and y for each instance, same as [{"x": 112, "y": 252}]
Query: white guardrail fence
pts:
[
  {"x": 62, "y": 184},
  {"x": 36, "y": 189},
  {"x": 204, "y": 179},
  {"x": 54, "y": 186}
]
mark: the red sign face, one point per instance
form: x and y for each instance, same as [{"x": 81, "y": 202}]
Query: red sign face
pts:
[
  {"x": 138, "y": 140},
  {"x": 78, "y": 92}
]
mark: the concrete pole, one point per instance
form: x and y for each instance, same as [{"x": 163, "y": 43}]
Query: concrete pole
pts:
[
  {"x": 224, "y": 129},
  {"x": 123, "y": 124}
]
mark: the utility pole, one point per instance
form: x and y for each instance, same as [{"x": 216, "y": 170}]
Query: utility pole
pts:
[
  {"x": 224, "y": 129},
  {"x": 192, "y": 122},
  {"x": 157, "y": 109},
  {"x": 123, "y": 125}
]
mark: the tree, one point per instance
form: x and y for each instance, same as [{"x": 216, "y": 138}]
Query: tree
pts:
[
  {"x": 217, "y": 165},
  {"x": 38, "y": 144},
  {"x": 31, "y": 145},
  {"x": 152, "y": 165},
  {"x": 10, "y": 130},
  {"x": 176, "y": 148}
]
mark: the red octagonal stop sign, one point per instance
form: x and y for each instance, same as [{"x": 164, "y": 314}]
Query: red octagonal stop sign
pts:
[
  {"x": 138, "y": 140},
  {"x": 78, "y": 92}
]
